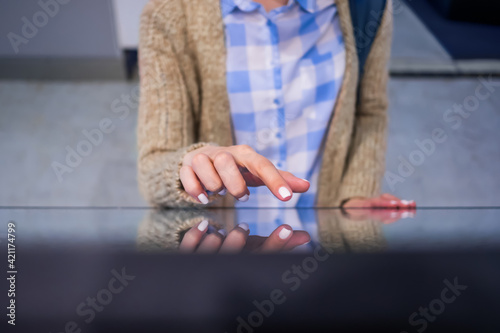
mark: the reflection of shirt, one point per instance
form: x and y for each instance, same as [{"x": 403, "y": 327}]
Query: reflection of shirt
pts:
[{"x": 284, "y": 71}]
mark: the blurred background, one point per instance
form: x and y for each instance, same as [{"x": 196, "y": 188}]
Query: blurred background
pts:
[{"x": 69, "y": 67}]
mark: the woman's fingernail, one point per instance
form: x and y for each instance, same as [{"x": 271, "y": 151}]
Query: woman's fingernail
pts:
[
  {"x": 222, "y": 232},
  {"x": 284, "y": 192},
  {"x": 304, "y": 180},
  {"x": 244, "y": 198},
  {"x": 406, "y": 215},
  {"x": 203, "y": 225},
  {"x": 393, "y": 202},
  {"x": 284, "y": 233},
  {"x": 203, "y": 198},
  {"x": 244, "y": 226},
  {"x": 405, "y": 202},
  {"x": 222, "y": 192}
]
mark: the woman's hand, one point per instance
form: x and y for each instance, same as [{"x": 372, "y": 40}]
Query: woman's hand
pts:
[
  {"x": 386, "y": 208},
  {"x": 233, "y": 168},
  {"x": 282, "y": 238}
]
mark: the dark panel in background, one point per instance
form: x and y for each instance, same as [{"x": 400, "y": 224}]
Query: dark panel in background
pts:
[{"x": 463, "y": 40}]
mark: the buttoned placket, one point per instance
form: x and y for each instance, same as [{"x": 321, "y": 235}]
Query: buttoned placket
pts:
[{"x": 277, "y": 103}]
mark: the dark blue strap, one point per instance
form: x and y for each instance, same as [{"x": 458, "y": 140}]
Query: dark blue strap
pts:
[{"x": 366, "y": 17}]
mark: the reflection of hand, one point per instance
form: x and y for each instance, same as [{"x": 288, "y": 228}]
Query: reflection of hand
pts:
[
  {"x": 283, "y": 238},
  {"x": 386, "y": 208},
  {"x": 233, "y": 169}
]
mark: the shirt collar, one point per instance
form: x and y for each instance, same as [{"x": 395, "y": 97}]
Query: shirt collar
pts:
[
  {"x": 311, "y": 6},
  {"x": 227, "y": 6}
]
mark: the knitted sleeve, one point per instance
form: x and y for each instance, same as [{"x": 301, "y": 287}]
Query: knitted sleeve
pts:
[
  {"x": 366, "y": 159},
  {"x": 166, "y": 121}
]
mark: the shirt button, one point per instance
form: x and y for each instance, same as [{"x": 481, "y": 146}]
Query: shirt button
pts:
[
  {"x": 278, "y": 135},
  {"x": 276, "y": 101},
  {"x": 279, "y": 164}
]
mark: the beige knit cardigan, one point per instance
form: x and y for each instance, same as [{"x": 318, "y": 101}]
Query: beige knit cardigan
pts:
[{"x": 184, "y": 104}]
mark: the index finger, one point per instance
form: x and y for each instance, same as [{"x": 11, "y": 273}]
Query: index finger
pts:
[{"x": 261, "y": 167}]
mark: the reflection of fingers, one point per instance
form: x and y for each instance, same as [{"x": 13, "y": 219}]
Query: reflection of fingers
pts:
[
  {"x": 357, "y": 214},
  {"x": 210, "y": 244},
  {"x": 391, "y": 216},
  {"x": 193, "y": 237},
  {"x": 277, "y": 239},
  {"x": 387, "y": 216},
  {"x": 235, "y": 241},
  {"x": 299, "y": 237},
  {"x": 254, "y": 242},
  {"x": 407, "y": 215}
]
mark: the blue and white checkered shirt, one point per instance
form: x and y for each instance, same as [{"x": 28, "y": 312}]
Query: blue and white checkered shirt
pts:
[{"x": 284, "y": 71}]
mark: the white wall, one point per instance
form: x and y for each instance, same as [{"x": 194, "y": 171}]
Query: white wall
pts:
[
  {"x": 78, "y": 29},
  {"x": 127, "y": 16}
]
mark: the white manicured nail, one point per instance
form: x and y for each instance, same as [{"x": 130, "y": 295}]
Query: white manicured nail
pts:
[
  {"x": 203, "y": 198},
  {"x": 284, "y": 233},
  {"x": 243, "y": 198},
  {"x": 284, "y": 192},
  {"x": 304, "y": 180},
  {"x": 203, "y": 225},
  {"x": 222, "y": 192},
  {"x": 405, "y": 202},
  {"x": 222, "y": 232},
  {"x": 393, "y": 202},
  {"x": 406, "y": 215},
  {"x": 244, "y": 226}
]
